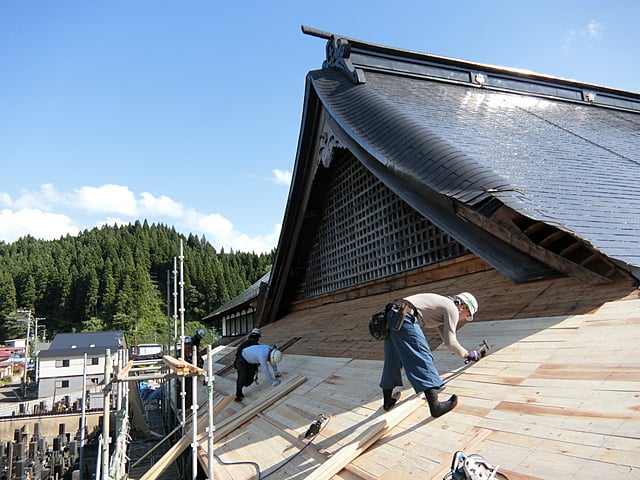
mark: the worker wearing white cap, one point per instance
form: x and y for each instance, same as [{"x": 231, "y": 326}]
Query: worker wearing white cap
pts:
[
  {"x": 253, "y": 356},
  {"x": 406, "y": 346}
]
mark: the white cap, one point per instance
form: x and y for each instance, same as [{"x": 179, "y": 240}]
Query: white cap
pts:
[
  {"x": 275, "y": 356},
  {"x": 470, "y": 302}
]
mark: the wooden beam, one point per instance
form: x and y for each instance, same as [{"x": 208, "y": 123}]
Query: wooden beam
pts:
[
  {"x": 519, "y": 240},
  {"x": 381, "y": 426},
  {"x": 182, "y": 367},
  {"x": 123, "y": 373}
]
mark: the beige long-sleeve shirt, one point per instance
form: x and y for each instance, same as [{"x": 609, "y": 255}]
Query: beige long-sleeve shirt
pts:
[{"x": 439, "y": 312}]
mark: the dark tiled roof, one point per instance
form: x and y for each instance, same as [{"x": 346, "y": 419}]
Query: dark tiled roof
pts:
[
  {"x": 75, "y": 344},
  {"x": 246, "y": 296},
  {"x": 563, "y": 163}
]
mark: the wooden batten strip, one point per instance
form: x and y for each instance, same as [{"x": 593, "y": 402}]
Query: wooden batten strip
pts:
[
  {"x": 251, "y": 410},
  {"x": 380, "y": 426}
]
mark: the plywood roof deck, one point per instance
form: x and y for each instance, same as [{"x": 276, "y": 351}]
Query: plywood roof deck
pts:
[{"x": 557, "y": 397}]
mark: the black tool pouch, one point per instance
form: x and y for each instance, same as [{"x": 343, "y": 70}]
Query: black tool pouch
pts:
[{"x": 378, "y": 326}]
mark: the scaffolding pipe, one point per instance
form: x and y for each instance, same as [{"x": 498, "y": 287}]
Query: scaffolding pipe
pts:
[
  {"x": 168, "y": 311},
  {"x": 183, "y": 418},
  {"x": 194, "y": 417},
  {"x": 138, "y": 378},
  {"x": 99, "y": 458},
  {"x": 210, "y": 412},
  {"x": 175, "y": 306},
  {"x": 119, "y": 385},
  {"x": 106, "y": 415},
  {"x": 83, "y": 417}
]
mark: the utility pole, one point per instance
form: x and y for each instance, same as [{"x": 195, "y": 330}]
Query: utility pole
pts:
[{"x": 26, "y": 351}]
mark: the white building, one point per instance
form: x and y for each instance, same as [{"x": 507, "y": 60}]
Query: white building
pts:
[
  {"x": 62, "y": 367},
  {"x": 15, "y": 343}
]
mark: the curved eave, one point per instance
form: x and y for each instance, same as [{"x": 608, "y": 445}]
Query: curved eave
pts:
[
  {"x": 403, "y": 146},
  {"x": 422, "y": 169}
]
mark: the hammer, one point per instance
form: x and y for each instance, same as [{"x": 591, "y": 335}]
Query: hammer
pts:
[{"x": 483, "y": 348}]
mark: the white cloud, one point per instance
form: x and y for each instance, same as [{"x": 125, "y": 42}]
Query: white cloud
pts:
[
  {"x": 38, "y": 224},
  {"x": 281, "y": 177},
  {"x": 220, "y": 232},
  {"x": 110, "y": 222},
  {"x": 594, "y": 30},
  {"x": 160, "y": 206},
  {"x": 38, "y": 213},
  {"x": 5, "y": 200},
  {"x": 107, "y": 199}
]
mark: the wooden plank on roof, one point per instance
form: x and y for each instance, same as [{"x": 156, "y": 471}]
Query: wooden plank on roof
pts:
[
  {"x": 380, "y": 426},
  {"x": 258, "y": 405}
]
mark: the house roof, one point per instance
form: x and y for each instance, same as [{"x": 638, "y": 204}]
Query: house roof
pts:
[
  {"x": 563, "y": 163},
  {"x": 240, "y": 301},
  {"x": 75, "y": 344},
  {"x": 490, "y": 155}
]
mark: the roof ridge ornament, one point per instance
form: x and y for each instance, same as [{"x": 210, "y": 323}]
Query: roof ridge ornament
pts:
[{"x": 338, "y": 56}]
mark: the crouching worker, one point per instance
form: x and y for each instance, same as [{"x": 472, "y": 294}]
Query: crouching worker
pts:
[
  {"x": 247, "y": 364},
  {"x": 406, "y": 346}
]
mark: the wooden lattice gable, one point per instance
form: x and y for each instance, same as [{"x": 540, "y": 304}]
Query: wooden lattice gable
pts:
[{"x": 365, "y": 233}]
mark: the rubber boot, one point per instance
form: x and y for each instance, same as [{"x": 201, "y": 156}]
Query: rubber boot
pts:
[
  {"x": 439, "y": 408},
  {"x": 390, "y": 399}
]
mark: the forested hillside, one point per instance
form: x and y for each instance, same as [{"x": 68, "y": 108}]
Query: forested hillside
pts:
[{"x": 115, "y": 278}]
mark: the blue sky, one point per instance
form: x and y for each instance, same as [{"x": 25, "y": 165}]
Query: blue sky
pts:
[{"x": 187, "y": 113}]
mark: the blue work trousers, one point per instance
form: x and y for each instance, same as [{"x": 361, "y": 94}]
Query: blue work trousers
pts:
[{"x": 408, "y": 348}]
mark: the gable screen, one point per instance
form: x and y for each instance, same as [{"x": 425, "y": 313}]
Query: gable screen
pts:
[{"x": 367, "y": 233}]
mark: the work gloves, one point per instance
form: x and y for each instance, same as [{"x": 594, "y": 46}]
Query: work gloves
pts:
[{"x": 474, "y": 355}]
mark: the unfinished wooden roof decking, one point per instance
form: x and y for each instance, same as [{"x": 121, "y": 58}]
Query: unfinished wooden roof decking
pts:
[{"x": 557, "y": 397}]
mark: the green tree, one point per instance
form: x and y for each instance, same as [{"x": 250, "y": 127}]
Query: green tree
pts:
[{"x": 115, "y": 277}]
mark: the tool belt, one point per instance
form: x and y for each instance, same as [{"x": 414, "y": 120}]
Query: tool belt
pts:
[
  {"x": 406, "y": 307},
  {"x": 400, "y": 307}
]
